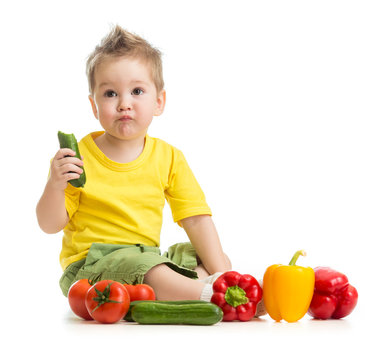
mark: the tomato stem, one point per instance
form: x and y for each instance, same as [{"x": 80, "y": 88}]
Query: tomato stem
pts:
[{"x": 103, "y": 297}]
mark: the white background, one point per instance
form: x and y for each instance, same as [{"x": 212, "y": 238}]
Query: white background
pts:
[{"x": 271, "y": 103}]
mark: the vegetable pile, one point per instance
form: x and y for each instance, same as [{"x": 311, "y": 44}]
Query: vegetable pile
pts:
[{"x": 289, "y": 292}]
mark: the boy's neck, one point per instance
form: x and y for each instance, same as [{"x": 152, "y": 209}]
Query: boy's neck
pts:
[{"x": 121, "y": 151}]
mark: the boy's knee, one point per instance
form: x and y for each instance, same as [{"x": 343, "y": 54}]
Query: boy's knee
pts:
[
  {"x": 228, "y": 261},
  {"x": 201, "y": 271}
]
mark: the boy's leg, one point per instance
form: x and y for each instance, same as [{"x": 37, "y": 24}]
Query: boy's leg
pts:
[
  {"x": 202, "y": 272},
  {"x": 170, "y": 285}
]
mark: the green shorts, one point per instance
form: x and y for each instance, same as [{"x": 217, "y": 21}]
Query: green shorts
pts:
[{"x": 128, "y": 263}]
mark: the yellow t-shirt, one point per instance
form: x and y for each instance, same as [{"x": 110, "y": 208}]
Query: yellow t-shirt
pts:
[{"x": 123, "y": 203}]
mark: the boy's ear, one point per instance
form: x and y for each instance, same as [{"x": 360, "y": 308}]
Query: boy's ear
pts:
[
  {"x": 93, "y": 105},
  {"x": 160, "y": 103}
]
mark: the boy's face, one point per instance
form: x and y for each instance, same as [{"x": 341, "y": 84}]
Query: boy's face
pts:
[{"x": 125, "y": 98}]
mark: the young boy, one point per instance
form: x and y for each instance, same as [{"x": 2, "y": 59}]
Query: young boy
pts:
[{"x": 112, "y": 225}]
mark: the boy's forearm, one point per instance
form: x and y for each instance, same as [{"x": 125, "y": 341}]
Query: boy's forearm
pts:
[
  {"x": 51, "y": 212},
  {"x": 204, "y": 238}
]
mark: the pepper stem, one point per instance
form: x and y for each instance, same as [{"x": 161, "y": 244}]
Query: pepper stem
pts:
[
  {"x": 235, "y": 296},
  {"x": 296, "y": 256}
]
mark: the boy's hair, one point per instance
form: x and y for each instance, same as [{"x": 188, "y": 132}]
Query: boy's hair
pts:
[{"x": 118, "y": 43}]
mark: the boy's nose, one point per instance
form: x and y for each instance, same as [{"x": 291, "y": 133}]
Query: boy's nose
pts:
[{"x": 124, "y": 104}]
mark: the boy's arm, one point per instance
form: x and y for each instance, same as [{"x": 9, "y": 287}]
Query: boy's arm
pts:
[
  {"x": 204, "y": 238},
  {"x": 50, "y": 211}
]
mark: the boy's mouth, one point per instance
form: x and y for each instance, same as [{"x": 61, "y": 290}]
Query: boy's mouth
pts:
[{"x": 125, "y": 118}]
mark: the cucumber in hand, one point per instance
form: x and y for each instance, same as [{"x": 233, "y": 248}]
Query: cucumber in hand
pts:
[{"x": 69, "y": 141}]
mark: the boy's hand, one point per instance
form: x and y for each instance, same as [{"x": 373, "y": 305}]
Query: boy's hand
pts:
[{"x": 64, "y": 167}]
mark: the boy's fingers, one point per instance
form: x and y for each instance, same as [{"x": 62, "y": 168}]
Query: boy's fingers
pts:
[
  {"x": 67, "y": 168},
  {"x": 71, "y": 176},
  {"x": 67, "y": 155},
  {"x": 70, "y": 160},
  {"x": 64, "y": 152}
]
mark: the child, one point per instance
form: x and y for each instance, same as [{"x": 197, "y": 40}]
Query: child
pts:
[{"x": 112, "y": 225}]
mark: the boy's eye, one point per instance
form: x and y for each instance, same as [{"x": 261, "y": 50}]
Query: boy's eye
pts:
[
  {"x": 110, "y": 93},
  {"x": 137, "y": 91}
]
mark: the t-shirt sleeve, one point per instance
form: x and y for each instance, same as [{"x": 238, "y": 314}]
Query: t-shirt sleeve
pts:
[
  {"x": 183, "y": 192},
  {"x": 71, "y": 199}
]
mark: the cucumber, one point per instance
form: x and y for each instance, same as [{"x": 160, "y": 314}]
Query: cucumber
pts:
[
  {"x": 128, "y": 316},
  {"x": 69, "y": 141},
  {"x": 187, "y": 313}
]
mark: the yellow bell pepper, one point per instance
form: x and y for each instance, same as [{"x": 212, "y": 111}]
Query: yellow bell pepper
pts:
[{"x": 288, "y": 290}]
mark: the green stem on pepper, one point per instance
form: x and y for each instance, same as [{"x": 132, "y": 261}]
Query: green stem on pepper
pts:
[
  {"x": 235, "y": 296},
  {"x": 296, "y": 256}
]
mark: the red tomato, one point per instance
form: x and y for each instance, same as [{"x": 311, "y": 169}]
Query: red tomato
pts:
[
  {"x": 77, "y": 296},
  {"x": 140, "y": 292},
  {"x": 107, "y": 301}
]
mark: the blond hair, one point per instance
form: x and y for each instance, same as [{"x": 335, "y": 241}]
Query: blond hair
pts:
[{"x": 118, "y": 43}]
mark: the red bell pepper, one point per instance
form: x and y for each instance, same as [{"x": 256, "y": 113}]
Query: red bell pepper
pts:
[
  {"x": 333, "y": 297},
  {"x": 237, "y": 295}
]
